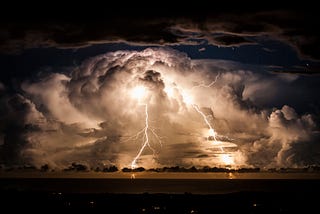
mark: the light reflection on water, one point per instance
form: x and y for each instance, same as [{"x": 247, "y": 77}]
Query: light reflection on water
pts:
[
  {"x": 166, "y": 175},
  {"x": 172, "y": 183},
  {"x": 216, "y": 175},
  {"x": 231, "y": 175},
  {"x": 133, "y": 176}
]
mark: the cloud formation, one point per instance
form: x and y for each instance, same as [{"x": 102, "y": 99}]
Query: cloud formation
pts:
[
  {"x": 225, "y": 28},
  {"x": 91, "y": 116}
]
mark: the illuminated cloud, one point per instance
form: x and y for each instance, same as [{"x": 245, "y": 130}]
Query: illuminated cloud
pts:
[{"x": 92, "y": 114}]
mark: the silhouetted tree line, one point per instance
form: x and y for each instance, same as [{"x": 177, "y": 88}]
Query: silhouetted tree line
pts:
[
  {"x": 191, "y": 169},
  {"x": 139, "y": 169},
  {"x": 107, "y": 169},
  {"x": 78, "y": 167}
]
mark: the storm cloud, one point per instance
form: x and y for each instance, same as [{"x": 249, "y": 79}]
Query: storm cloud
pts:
[
  {"x": 222, "y": 27},
  {"x": 90, "y": 116}
]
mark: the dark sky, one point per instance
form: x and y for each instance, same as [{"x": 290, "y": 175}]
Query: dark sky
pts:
[
  {"x": 283, "y": 39},
  {"x": 273, "y": 53}
]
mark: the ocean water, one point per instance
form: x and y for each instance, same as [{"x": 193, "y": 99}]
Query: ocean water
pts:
[
  {"x": 171, "y": 183},
  {"x": 161, "y": 192}
]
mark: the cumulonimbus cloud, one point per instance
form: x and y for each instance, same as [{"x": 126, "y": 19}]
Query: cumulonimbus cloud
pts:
[{"x": 91, "y": 116}]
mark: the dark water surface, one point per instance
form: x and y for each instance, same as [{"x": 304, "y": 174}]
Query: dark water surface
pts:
[
  {"x": 172, "y": 186},
  {"x": 123, "y": 195}
]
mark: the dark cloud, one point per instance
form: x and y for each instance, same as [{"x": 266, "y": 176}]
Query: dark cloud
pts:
[
  {"x": 299, "y": 70},
  {"x": 17, "y": 37},
  {"x": 225, "y": 27},
  {"x": 17, "y": 122},
  {"x": 230, "y": 40}
]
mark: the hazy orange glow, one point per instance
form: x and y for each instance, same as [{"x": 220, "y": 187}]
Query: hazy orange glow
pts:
[{"x": 227, "y": 159}]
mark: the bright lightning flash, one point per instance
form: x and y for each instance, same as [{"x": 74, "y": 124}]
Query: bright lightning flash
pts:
[
  {"x": 211, "y": 130},
  {"x": 212, "y": 133},
  {"x": 146, "y": 139},
  {"x": 139, "y": 93},
  {"x": 227, "y": 159},
  {"x": 188, "y": 100}
]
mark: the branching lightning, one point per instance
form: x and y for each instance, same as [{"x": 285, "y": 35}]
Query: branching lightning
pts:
[
  {"x": 139, "y": 92},
  {"x": 188, "y": 100},
  {"x": 211, "y": 130},
  {"x": 208, "y": 85},
  {"x": 224, "y": 157},
  {"x": 146, "y": 138}
]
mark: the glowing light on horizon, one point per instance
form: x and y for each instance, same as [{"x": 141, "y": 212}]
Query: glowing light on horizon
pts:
[{"x": 227, "y": 159}]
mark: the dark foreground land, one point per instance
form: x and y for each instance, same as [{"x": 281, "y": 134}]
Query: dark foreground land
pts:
[{"x": 130, "y": 196}]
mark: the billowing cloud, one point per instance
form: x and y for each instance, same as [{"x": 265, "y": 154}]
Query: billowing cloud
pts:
[{"x": 95, "y": 115}]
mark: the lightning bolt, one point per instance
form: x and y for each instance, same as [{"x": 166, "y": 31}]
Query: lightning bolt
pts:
[
  {"x": 139, "y": 93},
  {"x": 208, "y": 85},
  {"x": 211, "y": 130},
  {"x": 225, "y": 158},
  {"x": 188, "y": 100},
  {"x": 146, "y": 140}
]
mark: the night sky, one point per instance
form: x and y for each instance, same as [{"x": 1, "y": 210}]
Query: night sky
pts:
[{"x": 69, "y": 79}]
